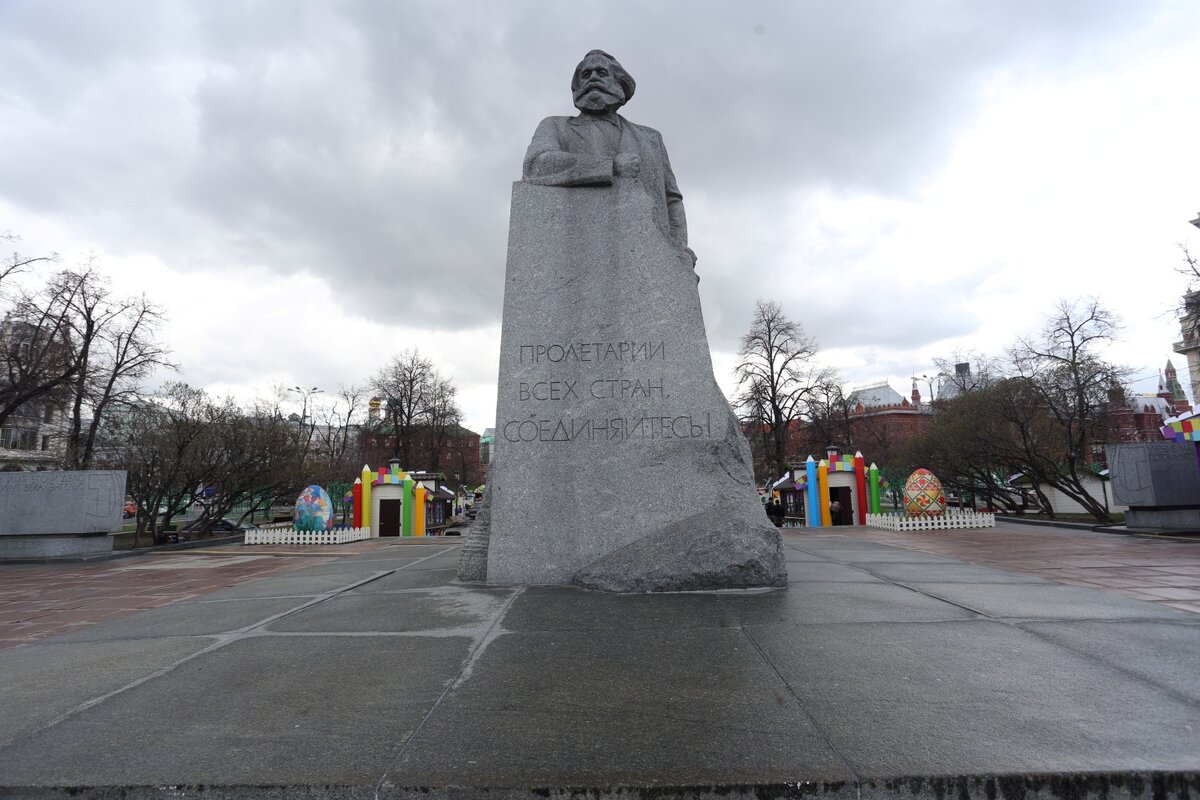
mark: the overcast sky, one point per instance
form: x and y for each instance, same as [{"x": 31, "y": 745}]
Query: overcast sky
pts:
[{"x": 309, "y": 188}]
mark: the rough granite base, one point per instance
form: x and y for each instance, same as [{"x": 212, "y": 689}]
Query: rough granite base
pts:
[
  {"x": 1170, "y": 518},
  {"x": 618, "y": 463},
  {"x": 46, "y": 545}
]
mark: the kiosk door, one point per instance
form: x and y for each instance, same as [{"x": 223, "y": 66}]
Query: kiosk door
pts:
[{"x": 389, "y": 517}]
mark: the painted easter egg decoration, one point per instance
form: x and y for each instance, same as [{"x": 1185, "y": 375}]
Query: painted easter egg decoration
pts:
[
  {"x": 923, "y": 495},
  {"x": 314, "y": 510}
]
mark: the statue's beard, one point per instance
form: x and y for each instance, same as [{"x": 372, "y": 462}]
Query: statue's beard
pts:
[{"x": 596, "y": 99}]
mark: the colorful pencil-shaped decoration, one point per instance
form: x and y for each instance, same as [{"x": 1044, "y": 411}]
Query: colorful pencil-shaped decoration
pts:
[
  {"x": 873, "y": 487},
  {"x": 814, "y": 504},
  {"x": 860, "y": 484},
  {"x": 356, "y": 493},
  {"x": 823, "y": 479},
  {"x": 419, "y": 510},
  {"x": 366, "y": 496},
  {"x": 406, "y": 507}
]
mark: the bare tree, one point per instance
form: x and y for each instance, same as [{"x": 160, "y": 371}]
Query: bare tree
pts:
[
  {"x": 38, "y": 357},
  {"x": 72, "y": 344},
  {"x": 829, "y": 410},
  {"x": 442, "y": 419},
  {"x": 420, "y": 412},
  {"x": 403, "y": 385},
  {"x": 1061, "y": 379},
  {"x": 1043, "y": 413},
  {"x": 335, "y": 435},
  {"x": 751, "y": 407},
  {"x": 775, "y": 374},
  {"x": 183, "y": 449},
  {"x": 16, "y": 262},
  {"x": 252, "y": 463},
  {"x": 1187, "y": 311},
  {"x": 1190, "y": 267},
  {"x": 115, "y": 350},
  {"x": 966, "y": 371},
  {"x": 162, "y": 447},
  {"x": 972, "y": 447}
]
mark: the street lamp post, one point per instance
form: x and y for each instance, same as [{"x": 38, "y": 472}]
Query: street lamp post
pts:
[
  {"x": 929, "y": 382},
  {"x": 306, "y": 394}
]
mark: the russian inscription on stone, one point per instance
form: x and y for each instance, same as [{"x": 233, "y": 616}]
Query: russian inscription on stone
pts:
[
  {"x": 618, "y": 463},
  {"x": 1149, "y": 474},
  {"x": 41, "y": 503}
]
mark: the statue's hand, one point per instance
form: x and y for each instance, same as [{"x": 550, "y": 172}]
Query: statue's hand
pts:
[{"x": 627, "y": 164}]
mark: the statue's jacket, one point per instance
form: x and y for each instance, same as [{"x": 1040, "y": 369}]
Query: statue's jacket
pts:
[{"x": 574, "y": 151}]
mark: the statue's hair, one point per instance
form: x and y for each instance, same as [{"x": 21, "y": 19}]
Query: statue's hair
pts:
[{"x": 623, "y": 77}]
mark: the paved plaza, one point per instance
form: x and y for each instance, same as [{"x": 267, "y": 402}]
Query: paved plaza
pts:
[{"x": 1012, "y": 662}]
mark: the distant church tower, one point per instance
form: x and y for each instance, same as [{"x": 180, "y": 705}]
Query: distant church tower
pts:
[
  {"x": 1189, "y": 326},
  {"x": 1171, "y": 391}
]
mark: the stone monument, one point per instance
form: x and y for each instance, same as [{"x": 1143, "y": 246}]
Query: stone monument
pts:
[
  {"x": 1159, "y": 481},
  {"x": 54, "y": 514},
  {"x": 618, "y": 463}
]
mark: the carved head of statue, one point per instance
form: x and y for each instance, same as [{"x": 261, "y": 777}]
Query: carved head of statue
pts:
[{"x": 600, "y": 84}]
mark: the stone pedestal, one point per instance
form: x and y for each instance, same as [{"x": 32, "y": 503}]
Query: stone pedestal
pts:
[
  {"x": 1159, "y": 481},
  {"x": 1173, "y": 518},
  {"x": 48, "y": 545},
  {"x": 618, "y": 463},
  {"x": 54, "y": 514}
]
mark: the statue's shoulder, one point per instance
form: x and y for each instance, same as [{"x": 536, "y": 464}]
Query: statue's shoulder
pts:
[
  {"x": 645, "y": 130},
  {"x": 557, "y": 123}
]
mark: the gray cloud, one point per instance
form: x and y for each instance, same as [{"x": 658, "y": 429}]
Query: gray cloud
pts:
[{"x": 374, "y": 143}]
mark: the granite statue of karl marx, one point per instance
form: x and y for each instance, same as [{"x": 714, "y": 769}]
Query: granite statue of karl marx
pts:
[{"x": 599, "y": 146}]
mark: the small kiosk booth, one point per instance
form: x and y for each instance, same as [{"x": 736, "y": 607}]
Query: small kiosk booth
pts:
[
  {"x": 393, "y": 502},
  {"x": 836, "y": 490}
]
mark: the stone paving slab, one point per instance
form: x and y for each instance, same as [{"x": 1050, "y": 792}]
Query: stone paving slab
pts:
[
  {"x": 1132, "y": 565},
  {"x": 288, "y": 585},
  {"x": 824, "y": 572},
  {"x": 183, "y": 619},
  {"x": 944, "y": 573},
  {"x": 44, "y": 682},
  {"x": 414, "y": 578},
  {"x": 261, "y": 711},
  {"x": 1045, "y": 601},
  {"x": 41, "y": 600},
  {"x": 376, "y": 687},
  {"x": 1163, "y": 652},
  {"x": 605, "y": 707},
  {"x": 441, "y": 609},
  {"x": 975, "y": 697},
  {"x": 889, "y": 555},
  {"x": 554, "y": 608},
  {"x": 823, "y": 603}
]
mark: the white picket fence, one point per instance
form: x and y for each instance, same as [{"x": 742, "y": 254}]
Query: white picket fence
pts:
[
  {"x": 292, "y": 536},
  {"x": 952, "y": 520}
]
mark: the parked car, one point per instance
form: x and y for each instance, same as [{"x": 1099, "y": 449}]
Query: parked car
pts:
[
  {"x": 281, "y": 513},
  {"x": 217, "y": 526}
]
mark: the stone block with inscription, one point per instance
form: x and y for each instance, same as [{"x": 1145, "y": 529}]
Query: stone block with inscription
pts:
[
  {"x": 47, "y": 514},
  {"x": 618, "y": 463},
  {"x": 1154, "y": 474}
]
